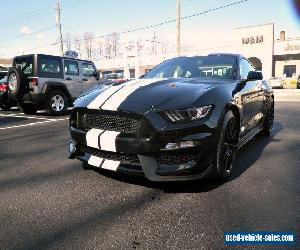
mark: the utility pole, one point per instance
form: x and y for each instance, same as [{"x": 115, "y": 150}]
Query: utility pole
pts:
[
  {"x": 178, "y": 19},
  {"x": 58, "y": 23}
]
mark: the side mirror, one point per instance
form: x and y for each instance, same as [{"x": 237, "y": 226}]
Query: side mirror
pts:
[
  {"x": 254, "y": 75},
  {"x": 142, "y": 76}
]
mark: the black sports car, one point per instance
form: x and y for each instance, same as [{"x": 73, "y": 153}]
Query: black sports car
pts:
[{"x": 185, "y": 119}]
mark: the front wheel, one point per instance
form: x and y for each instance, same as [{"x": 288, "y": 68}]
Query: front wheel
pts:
[
  {"x": 225, "y": 153},
  {"x": 56, "y": 103}
]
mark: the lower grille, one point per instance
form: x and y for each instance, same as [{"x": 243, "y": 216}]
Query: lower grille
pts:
[
  {"x": 169, "y": 158},
  {"x": 114, "y": 156}
]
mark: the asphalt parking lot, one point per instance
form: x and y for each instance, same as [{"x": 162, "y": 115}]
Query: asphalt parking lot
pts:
[{"x": 48, "y": 201}]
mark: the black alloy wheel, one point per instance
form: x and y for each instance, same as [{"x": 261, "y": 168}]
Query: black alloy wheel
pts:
[
  {"x": 227, "y": 147},
  {"x": 268, "y": 122}
]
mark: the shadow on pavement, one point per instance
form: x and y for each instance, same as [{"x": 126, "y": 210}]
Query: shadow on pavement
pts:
[{"x": 247, "y": 156}]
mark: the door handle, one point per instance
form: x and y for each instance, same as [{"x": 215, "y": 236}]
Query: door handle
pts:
[
  {"x": 68, "y": 78},
  {"x": 84, "y": 79}
]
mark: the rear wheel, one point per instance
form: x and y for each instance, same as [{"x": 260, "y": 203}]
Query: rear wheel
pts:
[
  {"x": 56, "y": 103},
  {"x": 226, "y": 149},
  {"x": 28, "y": 108},
  {"x": 268, "y": 121}
]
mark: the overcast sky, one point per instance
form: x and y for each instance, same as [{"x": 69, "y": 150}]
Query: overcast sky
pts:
[{"x": 31, "y": 23}]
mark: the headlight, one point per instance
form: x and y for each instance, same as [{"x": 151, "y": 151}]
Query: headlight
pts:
[{"x": 187, "y": 114}]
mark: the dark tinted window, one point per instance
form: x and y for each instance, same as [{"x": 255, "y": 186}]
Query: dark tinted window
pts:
[
  {"x": 50, "y": 65},
  {"x": 88, "y": 69},
  {"x": 25, "y": 64},
  {"x": 71, "y": 67},
  {"x": 289, "y": 70},
  {"x": 199, "y": 66}
]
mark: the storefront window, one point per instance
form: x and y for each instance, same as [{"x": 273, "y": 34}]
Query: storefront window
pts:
[{"x": 289, "y": 70}]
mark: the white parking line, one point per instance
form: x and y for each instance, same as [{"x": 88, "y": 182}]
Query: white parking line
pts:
[
  {"x": 33, "y": 123},
  {"x": 26, "y": 117},
  {"x": 44, "y": 120},
  {"x": 33, "y": 117}
]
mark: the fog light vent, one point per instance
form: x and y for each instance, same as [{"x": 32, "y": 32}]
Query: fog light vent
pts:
[{"x": 178, "y": 145}]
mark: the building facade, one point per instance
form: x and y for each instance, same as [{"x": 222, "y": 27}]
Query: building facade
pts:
[{"x": 275, "y": 57}]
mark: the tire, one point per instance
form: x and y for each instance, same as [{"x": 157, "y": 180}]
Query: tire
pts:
[
  {"x": 268, "y": 122},
  {"x": 5, "y": 107},
  {"x": 28, "y": 108},
  {"x": 56, "y": 102},
  {"x": 225, "y": 154},
  {"x": 17, "y": 82}
]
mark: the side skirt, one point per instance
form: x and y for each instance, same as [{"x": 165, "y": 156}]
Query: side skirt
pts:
[{"x": 249, "y": 136}]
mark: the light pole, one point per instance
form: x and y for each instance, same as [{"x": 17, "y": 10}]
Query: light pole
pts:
[{"x": 178, "y": 17}]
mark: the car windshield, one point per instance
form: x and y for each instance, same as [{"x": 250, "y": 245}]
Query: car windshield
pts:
[{"x": 214, "y": 66}]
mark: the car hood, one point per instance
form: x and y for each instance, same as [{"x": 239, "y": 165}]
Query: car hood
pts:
[{"x": 144, "y": 94}]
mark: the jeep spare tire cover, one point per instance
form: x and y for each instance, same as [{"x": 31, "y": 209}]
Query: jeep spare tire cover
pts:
[{"x": 17, "y": 81}]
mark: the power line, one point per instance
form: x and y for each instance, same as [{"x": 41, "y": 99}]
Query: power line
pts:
[
  {"x": 34, "y": 48},
  {"x": 38, "y": 13},
  {"x": 29, "y": 34},
  {"x": 158, "y": 24},
  {"x": 173, "y": 20}
]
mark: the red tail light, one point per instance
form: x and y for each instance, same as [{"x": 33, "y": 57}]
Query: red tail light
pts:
[
  {"x": 3, "y": 87},
  {"x": 34, "y": 81}
]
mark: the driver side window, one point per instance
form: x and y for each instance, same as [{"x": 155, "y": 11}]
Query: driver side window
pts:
[{"x": 245, "y": 68}]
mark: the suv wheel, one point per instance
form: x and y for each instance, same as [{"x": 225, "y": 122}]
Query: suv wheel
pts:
[
  {"x": 56, "y": 103},
  {"x": 28, "y": 108}
]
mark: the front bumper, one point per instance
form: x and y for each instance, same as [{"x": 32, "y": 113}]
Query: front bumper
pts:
[{"x": 147, "y": 154}]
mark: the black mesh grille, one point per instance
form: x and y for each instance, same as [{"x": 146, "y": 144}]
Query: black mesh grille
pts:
[
  {"x": 115, "y": 156},
  {"x": 169, "y": 158},
  {"x": 112, "y": 121}
]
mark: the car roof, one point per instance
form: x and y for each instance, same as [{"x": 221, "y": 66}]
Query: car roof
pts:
[
  {"x": 64, "y": 57},
  {"x": 226, "y": 54}
]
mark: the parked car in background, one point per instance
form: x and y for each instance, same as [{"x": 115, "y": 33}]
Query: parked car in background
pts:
[
  {"x": 5, "y": 104},
  {"x": 49, "y": 82},
  {"x": 276, "y": 82},
  {"x": 298, "y": 82},
  {"x": 184, "y": 120},
  {"x": 3, "y": 71},
  {"x": 114, "y": 77}
]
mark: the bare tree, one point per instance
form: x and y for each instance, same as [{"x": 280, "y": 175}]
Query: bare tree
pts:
[
  {"x": 108, "y": 48},
  {"x": 115, "y": 43},
  {"x": 68, "y": 40},
  {"x": 77, "y": 44},
  {"x": 88, "y": 38},
  {"x": 112, "y": 45}
]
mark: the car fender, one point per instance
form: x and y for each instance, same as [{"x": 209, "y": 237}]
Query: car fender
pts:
[{"x": 55, "y": 85}]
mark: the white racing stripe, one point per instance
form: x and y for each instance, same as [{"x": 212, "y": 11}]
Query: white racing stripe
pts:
[
  {"x": 101, "y": 98},
  {"x": 108, "y": 141},
  {"x": 92, "y": 137},
  {"x": 115, "y": 100},
  {"x": 106, "y": 164},
  {"x": 95, "y": 161},
  {"x": 110, "y": 165}
]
